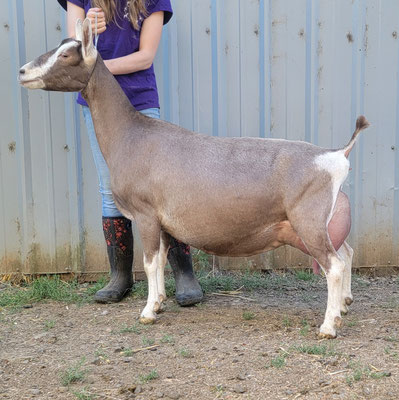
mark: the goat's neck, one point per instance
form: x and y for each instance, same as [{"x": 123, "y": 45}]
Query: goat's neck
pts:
[{"x": 113, "y": 114}]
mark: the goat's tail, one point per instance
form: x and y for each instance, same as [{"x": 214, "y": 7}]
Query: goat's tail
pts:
[{"x": 361, "y": 123}]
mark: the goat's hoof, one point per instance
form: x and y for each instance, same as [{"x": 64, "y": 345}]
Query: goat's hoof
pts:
[
  {"x": 147, "y": 321},
  {"x": 344, "y": 309},
  {"x": 327, "y": 335},
  {"x": 348, "y": 301},
  {"x": 327, "y": 332},
  {"x": 162, "y": 298}
]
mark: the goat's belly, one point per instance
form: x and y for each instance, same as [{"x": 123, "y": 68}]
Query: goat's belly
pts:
[{"x": 232, "y": 243}]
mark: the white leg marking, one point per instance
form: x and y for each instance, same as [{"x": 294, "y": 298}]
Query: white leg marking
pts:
[
  {"x": 332, "y": 319},
  {"x": 148, "y": 315},
  {"x": 162, "y": 259},
  {"x": 346, "y": 253}
]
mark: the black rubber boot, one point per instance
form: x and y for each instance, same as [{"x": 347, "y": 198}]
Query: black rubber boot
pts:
[
  {"x": 119, "y": 238},
  {"x": 188, "y": 290}
]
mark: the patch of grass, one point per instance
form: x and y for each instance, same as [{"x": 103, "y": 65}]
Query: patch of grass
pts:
[
  {"x": 53, "y": 288},
  {"x": 101, "y": 282},
  {"x": 305, "y": 328},
  {"x": 73, "y": 374},
  {"x": 47, "y": 288},
  {"x": 391, "y": 339},
  {"x": 128, "y": 352},
  {"x": 153, "y": 374},
  {"x": 100, "y": 353},
  {"x": 167, "y": 339},
  {"x": 391, "y": 303},
  {"x": 248, "y": 280},
  {"x": 219, "y": 389},
  {"x": 379, "y": 374},
  {"x": 147, "y": 341},
  {"x": 318, "y": 350},
  {"x": 170, "y": 286},
  {"x": 50, "y": 324},
  {"x": 304, "y": 275},
  {"x": 287, "y": 322},
  {"x": 390, "y": 351},
  {"x": 83, "y": 395},
  {"x": 135, "y": 328},
  {"x": 361, "y": 372},
  {"x": 359, "y": 281},
  {"x": 174, "y": 308},
  {"x": 358, "y": 373},
  {"x": 213, "y": 283},
  {"x": 185, "y": 353},
  {"x": 225, "y": 281},
  {"x": 278, "y": 362},
  {"x": 356, "y": 376},
  {"x": 352, "y": 323},
  {"x": 248, "y": 315},
  {"x": 15, "y": 297},
  {"x": 140, "y": 289},
  {"x": 306, "y": 297},
  {"x": 200, "y": 259}
]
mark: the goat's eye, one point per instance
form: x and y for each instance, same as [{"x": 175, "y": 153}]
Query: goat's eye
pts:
[{"x": 64, "y": 55}]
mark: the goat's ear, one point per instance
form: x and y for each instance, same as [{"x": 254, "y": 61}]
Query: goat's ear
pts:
[
  {"x": 78, "y": 29},
  {"x": 87, "y": 40}
]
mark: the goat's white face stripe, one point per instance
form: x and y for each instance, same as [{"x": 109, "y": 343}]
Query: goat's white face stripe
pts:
[
  {"x": 36, "y": 72},
  {"x": 50, "y": 62}
]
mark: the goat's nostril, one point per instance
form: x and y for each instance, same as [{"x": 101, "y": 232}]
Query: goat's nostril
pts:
[{"x": 22, "y": 71}]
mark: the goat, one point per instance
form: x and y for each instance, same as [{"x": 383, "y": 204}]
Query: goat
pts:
[{"x": 226, "y": 196}]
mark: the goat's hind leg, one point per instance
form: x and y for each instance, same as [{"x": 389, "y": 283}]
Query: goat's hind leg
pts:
[
  {"x": 334, "y": 273},
  {"x": 346, "y": 253},
  {"x": 313, "y": 232},
  {"x": 162, "y": 260}
]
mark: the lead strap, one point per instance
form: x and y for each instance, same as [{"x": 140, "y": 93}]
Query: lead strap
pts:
[{"x": 95, "y": 33}]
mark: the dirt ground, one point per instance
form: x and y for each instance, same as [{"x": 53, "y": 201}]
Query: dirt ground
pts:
[{"x": 251, "y": 345}]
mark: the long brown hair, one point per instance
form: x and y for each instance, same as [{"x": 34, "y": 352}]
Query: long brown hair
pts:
[{"x": 135, "y": 9}]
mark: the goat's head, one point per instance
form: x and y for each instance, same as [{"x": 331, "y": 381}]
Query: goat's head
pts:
[{"x": 67, "y": 68}]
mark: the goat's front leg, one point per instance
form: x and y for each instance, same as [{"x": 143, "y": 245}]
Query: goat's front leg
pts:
[
  {"x": 151, "y": 267},
  {"x": 150, "y": 232}
]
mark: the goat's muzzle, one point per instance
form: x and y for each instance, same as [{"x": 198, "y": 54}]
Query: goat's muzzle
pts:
[{"x": 28, "y": 81}]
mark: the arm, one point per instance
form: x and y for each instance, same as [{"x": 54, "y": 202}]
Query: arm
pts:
[
  {"x": 150, "y": 37},
  {"x": 74, "y": 12}
]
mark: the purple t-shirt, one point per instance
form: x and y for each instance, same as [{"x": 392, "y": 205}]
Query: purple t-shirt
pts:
[{"x": 118, "y": 41}]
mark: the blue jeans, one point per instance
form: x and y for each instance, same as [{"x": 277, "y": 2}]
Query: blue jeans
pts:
[{"x": 109, "y": 208}]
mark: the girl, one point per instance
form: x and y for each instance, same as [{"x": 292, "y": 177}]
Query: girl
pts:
[{"x": 129, "y": 34}]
